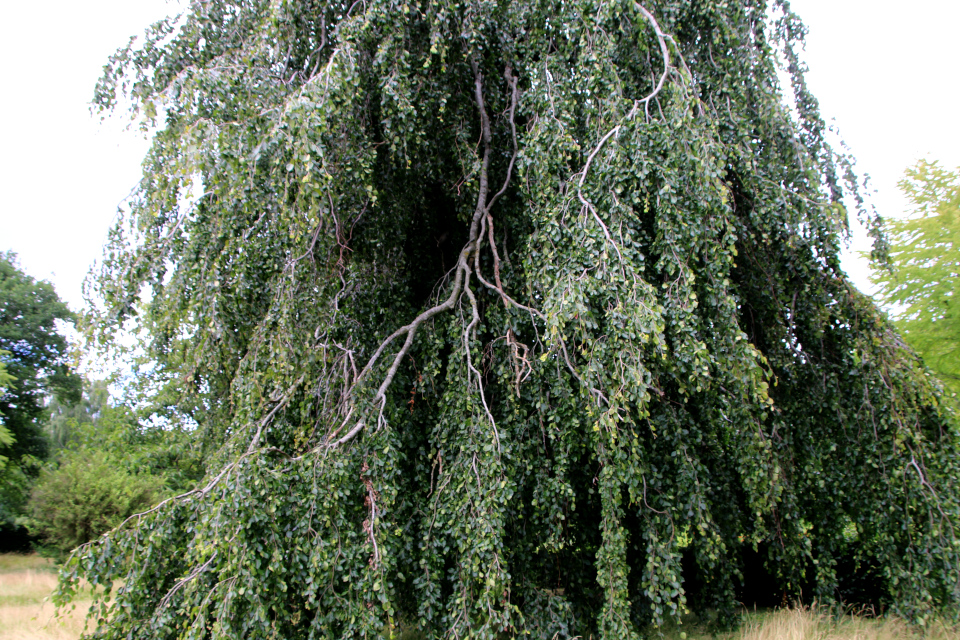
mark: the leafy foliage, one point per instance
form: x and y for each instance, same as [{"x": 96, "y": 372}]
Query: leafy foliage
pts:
[
  {"x": 98, "y": 424},
  {"x": 87, "y": 495},
  {"x": 486, "y": 311},
  {"x": 34, "y": 356},
  {"x": 923, "y": 285},
  {"x": 6, "y": 438}
]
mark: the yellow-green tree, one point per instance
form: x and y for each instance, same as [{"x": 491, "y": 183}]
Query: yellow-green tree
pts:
[{"x": 922, "y": 285}]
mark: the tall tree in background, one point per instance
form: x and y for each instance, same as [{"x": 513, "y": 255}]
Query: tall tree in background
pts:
[
  {"x": 493, "y": 311},
  {"x": 922, "y": 283},
  {"x": 6, "y": 438},
  {"x": 35, "y": 355},
  {"x": 68, "y": 424},
  {"x": 135, "y": 443}
]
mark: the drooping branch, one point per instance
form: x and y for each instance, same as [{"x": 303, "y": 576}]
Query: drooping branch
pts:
[
  {"x": 512, "y": 81},
  {"x": 665, "y": 51},
  {"x": 461, "y": 278}
]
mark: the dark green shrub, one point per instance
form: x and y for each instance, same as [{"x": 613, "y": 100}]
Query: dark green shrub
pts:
[{"x": 88, "y": 495}]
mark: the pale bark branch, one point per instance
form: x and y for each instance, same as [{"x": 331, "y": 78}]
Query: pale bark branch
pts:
[{"x": 665, "y": 50}]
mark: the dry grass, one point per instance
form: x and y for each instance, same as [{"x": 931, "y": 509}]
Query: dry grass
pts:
[
  {"x": 26, "y": 582},
  {"x": 810, "y": 623},
  {"x": 12, "y": 562},
  {"x": 40, "y": 622},
  {"x": 807, "y": 623}
]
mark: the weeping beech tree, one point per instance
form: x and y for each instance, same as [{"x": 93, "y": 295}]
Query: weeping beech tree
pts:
[{"x": 488, "y": 313}]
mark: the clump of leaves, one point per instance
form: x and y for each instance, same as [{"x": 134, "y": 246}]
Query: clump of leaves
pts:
[
  {"x": 34, "y": 365},
  {"x": 87, "y": 495},
  {"x": 485, "y": 310},
  {"x": 921, "y": 283}
]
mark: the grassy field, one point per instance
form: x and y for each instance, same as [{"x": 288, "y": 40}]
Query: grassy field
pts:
[
  {"x": 809, "y": 624},
  {"x": 26, "y": 581}
]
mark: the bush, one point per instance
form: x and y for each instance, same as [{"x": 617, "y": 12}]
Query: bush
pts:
[{"x": 88, "y": 495}]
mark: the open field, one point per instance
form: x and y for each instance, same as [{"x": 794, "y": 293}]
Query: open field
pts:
[
  {"x": 26, "y": 581},
  {"x": 810, "y": 624}
]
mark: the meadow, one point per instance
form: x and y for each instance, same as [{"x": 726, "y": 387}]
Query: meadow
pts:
[
  {"x": 26, "y": 582},
  {"x": 807, "y": 623}
]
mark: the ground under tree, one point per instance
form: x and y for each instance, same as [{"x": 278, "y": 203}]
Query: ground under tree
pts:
[{"x": 489, "y": 312}]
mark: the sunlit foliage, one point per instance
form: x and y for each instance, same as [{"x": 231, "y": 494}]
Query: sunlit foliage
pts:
[{"x": 922, "y": 283}]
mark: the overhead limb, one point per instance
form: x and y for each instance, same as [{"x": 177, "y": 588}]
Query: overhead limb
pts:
[
  {"x": 665, "y": 50},
  {"x": 460, "y": 279},
  {"x": 481, "y": 225}
]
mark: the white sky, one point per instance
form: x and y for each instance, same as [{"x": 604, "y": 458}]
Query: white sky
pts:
[
  {"x": 886, "y": 73},
  {"x": 62, "y": 172}
]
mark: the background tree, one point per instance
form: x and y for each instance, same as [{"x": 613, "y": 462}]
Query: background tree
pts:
[
  {"x": 69, "y": 423},
  {"x": 922, "y": 282},
  {"x": 495, "y": 311},
  {"x": 6, "y": 438},
  {"x": 87, "y": 494},
  {"x": 105, "y": 466},
  {"x": 35, "y": 356},
  {"x": 137, "y": 440}
]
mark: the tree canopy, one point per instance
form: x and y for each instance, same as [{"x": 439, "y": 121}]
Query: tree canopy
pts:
[
  {"x": 6, "y": 438},
  {"x": 136, "y": 443},
  {"x": 488, "y": 313},
  {"x": 33, "y": 367},
  {"x": 922, "y": 282}
]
